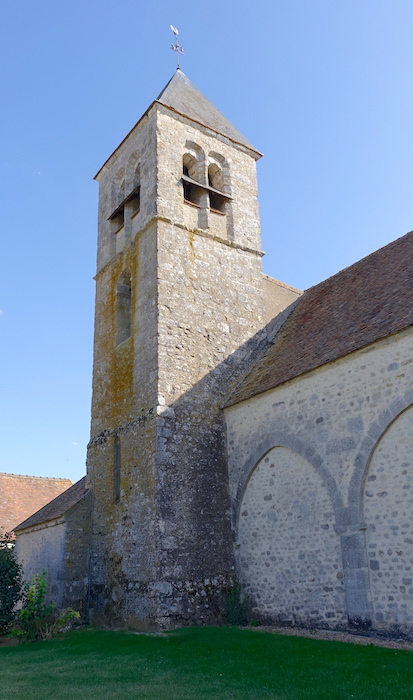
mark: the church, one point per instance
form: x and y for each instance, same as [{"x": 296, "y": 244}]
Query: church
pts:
[{"x": 241, "y": 430}]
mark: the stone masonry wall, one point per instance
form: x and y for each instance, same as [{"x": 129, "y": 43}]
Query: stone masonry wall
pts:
[
  {"x": 42, "y": 549},
  {"x": 210, "y": 301},
  {"x": 123, "y": 546},
  {"x": 124, "y": 409},
  {"x": 76, "y": 555},
  {"x": 160, "y": 545},
  {"x": 349, "y": 424},
  {"x": 61, "y": 548},
  {"x": 288, "y": 550},
  {"x": 388, "y": 510}
]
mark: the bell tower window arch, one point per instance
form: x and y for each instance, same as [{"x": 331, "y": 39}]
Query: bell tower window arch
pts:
[
  {"x": 127, "y": 205},
  {"x": 205, "y": 187},
  {"x": 193, "y": 174},
  {"x": 217, "y": 198}
]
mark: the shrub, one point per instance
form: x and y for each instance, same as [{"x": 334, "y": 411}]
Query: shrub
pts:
[
  {"x": 38, "y": 619},
  {"x": 236, "y": 606},
  {"x": 10, "y": 581}
]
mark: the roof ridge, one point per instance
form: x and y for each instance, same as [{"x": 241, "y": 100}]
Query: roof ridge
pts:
[
  {"x": 358, "y": 262},
  {"x": 365, "y": 302},
  {"x": 183, "y": 97},
  {"x": 28, "y": 476},
  {"x": 57, "y": 506}
]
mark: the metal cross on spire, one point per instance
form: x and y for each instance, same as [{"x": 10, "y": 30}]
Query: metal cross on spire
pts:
[{"x": 175, "y": 47}]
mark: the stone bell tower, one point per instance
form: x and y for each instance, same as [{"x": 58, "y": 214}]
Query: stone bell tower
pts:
[{"x": 179, "y": 304}]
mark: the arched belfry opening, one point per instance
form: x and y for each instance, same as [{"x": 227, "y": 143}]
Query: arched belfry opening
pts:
[
  {"x": 217, "y": 199},
  {"x": 133, "y": 198},
  {"x": 123, "y": 307},
  {"x": 190, "y": 171},
  {"x": 168, "y": 284},
  {"x": 117, "y": 217}
]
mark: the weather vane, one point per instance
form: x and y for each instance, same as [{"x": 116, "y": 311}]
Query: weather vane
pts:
[{"x": 175, "y": 47}]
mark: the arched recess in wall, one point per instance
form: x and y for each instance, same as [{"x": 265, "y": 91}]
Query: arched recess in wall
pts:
[
  {"x": 123, "y": 310},
  {"x": 288, "y": 553},
  {"x": 388, "y": 515}
]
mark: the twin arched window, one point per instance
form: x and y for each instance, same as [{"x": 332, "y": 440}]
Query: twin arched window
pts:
[
  {"x": 203, "y": 187},
  {"x": 126, "y": 191}
]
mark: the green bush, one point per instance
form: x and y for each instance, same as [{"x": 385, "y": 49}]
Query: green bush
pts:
[
  {"x": 10, "y": 581},
  {"x": 38, "y": 619},
  {"x": 236, "y": 606}
]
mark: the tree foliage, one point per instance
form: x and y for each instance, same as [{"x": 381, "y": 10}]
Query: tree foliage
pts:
[{"x": 10, "y": 581}]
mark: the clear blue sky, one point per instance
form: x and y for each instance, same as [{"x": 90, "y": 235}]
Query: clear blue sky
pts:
[{"x": 322, "y": 88}]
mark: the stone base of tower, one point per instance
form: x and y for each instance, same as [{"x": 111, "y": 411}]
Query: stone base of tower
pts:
[{"x": 160, "y": 604}]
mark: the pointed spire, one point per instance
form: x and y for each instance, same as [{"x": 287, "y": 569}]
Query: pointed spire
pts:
[
  {"x": 183, "y": 97},
  {"x": 180, "y": 95}
]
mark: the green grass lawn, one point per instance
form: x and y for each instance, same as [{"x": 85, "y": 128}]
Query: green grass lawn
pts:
[{"x": 209, "y": 662}]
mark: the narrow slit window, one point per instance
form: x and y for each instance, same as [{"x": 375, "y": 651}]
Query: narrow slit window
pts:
[
  {"x": 116, "y": 469},
  {"x": 123, "y": 308}
]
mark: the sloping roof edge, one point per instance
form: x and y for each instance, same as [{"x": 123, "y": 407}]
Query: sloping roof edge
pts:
[
  {"x": 57, "y": 507},
  {"x": 236, "y": 136},
  {"x": 366, "y": 302}
]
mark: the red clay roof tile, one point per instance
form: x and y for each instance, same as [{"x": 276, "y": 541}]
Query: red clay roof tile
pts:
[
  {"x": 20, "y": 496},
  {"x": 57, "y": 507},
  {"x": 365, "y": 302}
]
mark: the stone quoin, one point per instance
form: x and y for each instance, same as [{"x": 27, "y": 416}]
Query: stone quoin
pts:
[{"x": 240, "y": 429}]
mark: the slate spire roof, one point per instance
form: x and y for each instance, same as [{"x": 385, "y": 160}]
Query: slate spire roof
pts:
[
  {"x": 363, "y": 303},
  {"x": 183, "y": 97}
]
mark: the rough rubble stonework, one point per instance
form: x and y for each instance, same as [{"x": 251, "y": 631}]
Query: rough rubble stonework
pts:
[
  {"x": 56, "y": 540},
  {"x": 322, "y": 491},
  {"x": 162, "y": 552},
  {"x": 239, "y": 429}
]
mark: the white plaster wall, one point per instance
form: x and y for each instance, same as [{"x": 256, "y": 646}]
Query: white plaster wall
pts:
[
  {"x": 288, "y": 551},
  {"x": 388, "y": 512},
  {"x": 43, "y": 549}
]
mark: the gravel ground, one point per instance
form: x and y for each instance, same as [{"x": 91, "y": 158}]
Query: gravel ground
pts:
[{"x": 337, "y": 636}]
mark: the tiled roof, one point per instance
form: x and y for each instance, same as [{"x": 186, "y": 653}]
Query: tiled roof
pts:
[
  {"x": 182, "y": 96},
  {"x": 57, "y": 507},
  {"x": 359, "y": 305},
  {"x": 20, "y": 496}
]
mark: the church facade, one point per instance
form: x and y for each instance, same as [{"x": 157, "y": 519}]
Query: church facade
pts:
[{"x": 229, "y": 411}]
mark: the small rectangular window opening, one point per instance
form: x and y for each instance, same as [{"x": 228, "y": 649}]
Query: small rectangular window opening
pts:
[
  {"x": 116, "y": 471},
  {"x": 134, "y": 199},
  {"x": 118, "y": 218},
  {"x": 192, "y": 193},
  {"x": 118, "y": 215},
  {"x": 217, "y": 203}
]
